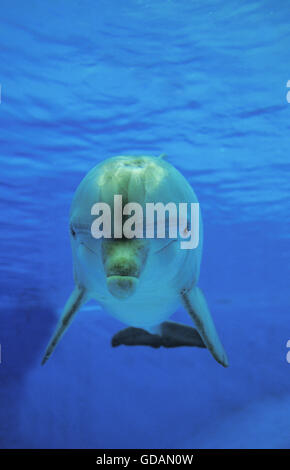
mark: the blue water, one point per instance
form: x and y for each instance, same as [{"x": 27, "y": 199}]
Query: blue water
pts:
[{"x": 203, "y": 81}]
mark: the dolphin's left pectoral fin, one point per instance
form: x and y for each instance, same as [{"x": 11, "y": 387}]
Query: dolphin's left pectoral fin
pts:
[
  {"x": 77, "y": 299},
  {"x": 197, "y": 308}
]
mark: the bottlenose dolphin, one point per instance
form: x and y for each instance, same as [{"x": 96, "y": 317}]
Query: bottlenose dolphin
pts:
[{"x": 140, "y": 281}]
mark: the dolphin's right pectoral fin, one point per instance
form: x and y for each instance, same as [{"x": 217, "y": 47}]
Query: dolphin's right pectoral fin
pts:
[
  {"x": 77, "y": 299},
  {"x": 195, "y": 303}
]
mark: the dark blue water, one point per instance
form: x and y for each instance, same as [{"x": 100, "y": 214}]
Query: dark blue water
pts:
[{"x": 204, "y": 82}]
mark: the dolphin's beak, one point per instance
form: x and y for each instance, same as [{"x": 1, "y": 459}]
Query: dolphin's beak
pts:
[
  {"x": 123, "y": 265},
  {"x": 122, "y": 287}
]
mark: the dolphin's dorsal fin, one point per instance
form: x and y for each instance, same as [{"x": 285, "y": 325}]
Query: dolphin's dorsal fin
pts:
[
  {"x": 77, "y": 299},
  {"x": 195, "y": 303}
]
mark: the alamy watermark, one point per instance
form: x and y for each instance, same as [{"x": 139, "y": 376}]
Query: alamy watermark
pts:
[
  {"x": 288, "y": 353},
  {"x": 161, "y": 221}
]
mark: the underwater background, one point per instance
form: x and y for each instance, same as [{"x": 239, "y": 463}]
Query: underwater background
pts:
[{"x": 203, "y": 81}]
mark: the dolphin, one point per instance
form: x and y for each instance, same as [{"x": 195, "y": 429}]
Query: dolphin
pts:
[{"x": 140, "y": 281}]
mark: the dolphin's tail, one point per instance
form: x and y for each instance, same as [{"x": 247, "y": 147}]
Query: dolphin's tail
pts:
[
  {"x": 74, "y": 303},
  {"x": 171, "y": 335}
]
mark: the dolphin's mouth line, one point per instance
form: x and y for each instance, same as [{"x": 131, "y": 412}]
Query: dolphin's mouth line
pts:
[
  {"x": 92, "y": 251},
  {"x": 166, "y": 246},
  {"x": 158, "y": 251}
]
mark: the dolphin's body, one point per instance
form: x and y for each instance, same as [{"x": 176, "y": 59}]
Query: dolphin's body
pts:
[{"x": 142, "y": 282}]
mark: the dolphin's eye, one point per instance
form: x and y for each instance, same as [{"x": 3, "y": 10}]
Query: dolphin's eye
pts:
[
  {"x": 187, "y": 229},
  {"x": 72, "y": 231}
]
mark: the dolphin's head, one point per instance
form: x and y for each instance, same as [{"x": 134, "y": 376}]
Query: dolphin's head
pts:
[
  {"x": 121, "y": 267},
  {"x": 124, "y": 262}
]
